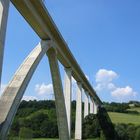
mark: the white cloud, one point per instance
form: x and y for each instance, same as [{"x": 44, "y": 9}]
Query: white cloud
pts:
[
  {"x": 28, "y": 98},
  {"x": 111, "y": 86},
  {"x": 105, "y": 76},
  {"x": 104, "y": 84},
  {"x": 104, "y": 79},
  {"x": 123, "y": 93},
  {"x": 44, "y": 89}
]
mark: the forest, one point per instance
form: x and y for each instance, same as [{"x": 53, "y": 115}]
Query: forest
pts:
[{"x": 37, "y": 119}]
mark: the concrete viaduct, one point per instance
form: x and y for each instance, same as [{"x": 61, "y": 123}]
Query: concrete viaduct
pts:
[{"x": 53, "y": 45}]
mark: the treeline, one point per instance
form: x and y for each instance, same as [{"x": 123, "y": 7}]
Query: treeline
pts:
[
  {"x": 121, "y": 107},
  {"x": 38, "y": 119}
]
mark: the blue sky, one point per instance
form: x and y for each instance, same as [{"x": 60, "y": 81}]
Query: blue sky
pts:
[{"x": 104, "y": 37}]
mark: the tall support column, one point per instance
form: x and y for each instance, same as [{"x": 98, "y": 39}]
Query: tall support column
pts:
[
  {"x": 68, "y": 95},
  {"x": 4, "y": 8},
  {"x": 95, "y": 108},
  {"x": 78, "y": 123},
  {"x": 91, "y": 106},
  {"x": 59, "y": 96},
  {"x": 86, "y": 104}
]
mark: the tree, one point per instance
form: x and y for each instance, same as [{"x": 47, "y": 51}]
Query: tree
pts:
[
  {"x": 91, "y": 128},
  {"x": 137, "y": 135},
  {"x": 122, "y": 131},
  {"x": 131, "y": 130},
  {"x": 25, "y": 134}
]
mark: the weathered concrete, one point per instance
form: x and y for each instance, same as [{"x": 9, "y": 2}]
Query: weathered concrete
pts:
[
  {"x": 4, "y": 8},
  {"x": 86, "y": 104},
  {"x": 68, "y": 95},
  {"x": 11, "y": 97},
  {"x": 59, "y": 96},
  {"x": 78, "y": 120},
  {"x": 91, "y": 106}
]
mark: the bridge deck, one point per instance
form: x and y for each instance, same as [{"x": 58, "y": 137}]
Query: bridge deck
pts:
[{"x": 36, "y": 14}]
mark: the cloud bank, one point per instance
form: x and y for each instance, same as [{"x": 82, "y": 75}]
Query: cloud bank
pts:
[{"x": 105, "y": 82}]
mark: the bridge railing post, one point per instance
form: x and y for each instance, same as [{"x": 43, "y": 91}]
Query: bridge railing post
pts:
[
  {"x": 78, "y": 120},
  {"x": 68, "y": 95},
  {"x": 4, "y": 8},
  {"x": 59, "y": 96}
]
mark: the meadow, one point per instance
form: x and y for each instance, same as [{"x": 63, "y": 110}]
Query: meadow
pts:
[{"x": 125, "y": 118}]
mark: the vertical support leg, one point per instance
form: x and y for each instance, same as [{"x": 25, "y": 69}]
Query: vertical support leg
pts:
[
  {"x": 78, "y": 123},
  {"x": 67, "y": 93},
  {"x": 4, "y": 8},
  {"x": 86, "y": 104},
  {"x": 59, "y": 97},
  {"x": 91, "y": 106},
  {"x": 95, "y": 107}
]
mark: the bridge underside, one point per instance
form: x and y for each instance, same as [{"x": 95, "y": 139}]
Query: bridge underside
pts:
[
  {"x": 52, "y": 44},
  {"x": 36, "y": 14}
]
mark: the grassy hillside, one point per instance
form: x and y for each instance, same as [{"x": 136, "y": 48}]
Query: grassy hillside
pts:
[
  {"x": 124, "y": 118},
  {"x": 135, "y": 109}
]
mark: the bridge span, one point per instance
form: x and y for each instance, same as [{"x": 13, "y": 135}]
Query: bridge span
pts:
[{"x": 54, "y": 46}]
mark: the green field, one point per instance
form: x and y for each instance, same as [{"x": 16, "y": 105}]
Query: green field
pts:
[
  {"x": 135, "y": 109},
  {"x": 124, "y": 118}
]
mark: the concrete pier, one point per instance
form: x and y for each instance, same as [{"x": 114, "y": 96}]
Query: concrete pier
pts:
[
  {"x": 91, "y": 106},
  {"x": 4, "y": 8},
  {"x": 59, "y": 96},
  {"x": 86, "y": 104},
  {"x": 78, "y": 123},
  {"x": 68, "y": 95},
  {"x": 95, "y": 108},
  {"x": 11, "y": 97}
]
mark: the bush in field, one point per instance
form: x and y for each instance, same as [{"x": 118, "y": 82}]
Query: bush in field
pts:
[
  {"x": 137, "y": 135},
  {"x": 127, "y": 131},
  {"x": 122, "y": 131},
  {"x": 131, "y": 130},
  {"x": 25, "y": 134}
]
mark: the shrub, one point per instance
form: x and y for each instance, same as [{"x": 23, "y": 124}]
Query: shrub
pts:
[{"x": 25, "y": 134}]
